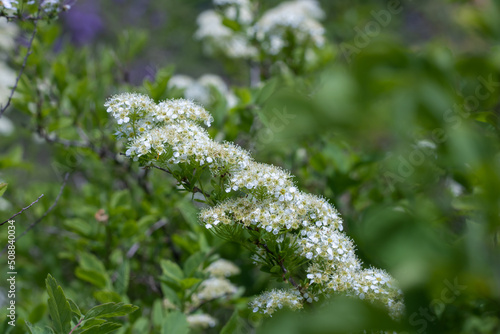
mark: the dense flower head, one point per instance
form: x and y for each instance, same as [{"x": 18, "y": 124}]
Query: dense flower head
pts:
[
  {"x": 263, "y": 198},
  {"x": 270, "y": 301}
]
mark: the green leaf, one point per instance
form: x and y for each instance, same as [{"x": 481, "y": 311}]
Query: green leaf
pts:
[
  {"x": 37, "y": 313},
  {"x": 266, "y": 91},
  {"x": 59, "y": 308},
  {"x": 171, "y": 270},
  {"x": 3, "y": 187},
  {"x": 92, "y": 276},
  {"x": 92, "y": 270},
  {"x": 78, "y": 226},
  {"x": 233, "y": 25},
  {"x": 189, "y": 282},
  {"x": 233, "y": 325},
  {"x": 91, "y": 262},
  {"x": 91, "y": 323},
  {"x": 170, "y": 294},
  {"x": 110, "y": 310},
  {"x": 140, "y": 326},
  {"x": 38, "y": 330},
  {"x": 121, "y": 284},
  {"x": 193, "y": 263},
  {"x": 104, "y": 296},
  {"x": 74, "y": 308},
  {"x": 276, "y": 269},
  {"x": 102, "y": 329},
  {"x": 175, "y": 323},
  {"x": 119, "y": 198},
  {"x": 157, "y": 313}
]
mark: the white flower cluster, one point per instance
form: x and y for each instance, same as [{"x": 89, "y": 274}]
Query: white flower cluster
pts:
[
  {"x": 48, "y": 6},
  {"x": 8, "y": 4},
  {"x": 222, "y": 268},
  {"x": 299, "y": 18},
  {"x": 8, "y": 32},
  {"x": 270, "y": 301},
  {"x": 271, "y": 203},
  {"x": 201, "y": 320},
  {"x": 217, "y": 285},
  {"x": 54, "y": 6},
  {"x": 219, "y": 38},
  {"x": 200, "y": 90}
]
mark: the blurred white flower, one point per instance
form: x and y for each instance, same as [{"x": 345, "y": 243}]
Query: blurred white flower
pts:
[
  {"x": 7, "y": 80},
  {"x": 298, "y": 17},
  {"x": 201, "y": 320},
  {"x": 199, "y": 90},
  {"x": 222, "y": 268},
  {"x": 6, "y": 126},
  {"x": 8, "y": 4}
]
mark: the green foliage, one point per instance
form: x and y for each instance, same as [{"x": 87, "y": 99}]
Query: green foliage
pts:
[{"x": 67, "y": 317}]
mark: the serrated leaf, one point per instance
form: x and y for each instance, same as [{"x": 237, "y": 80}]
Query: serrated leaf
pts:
[
  {"x": 74, "y": 307},
  {"x": 233, "y": 324},
  {"x": 110, "y": 310},
  {"x": 59, "y": 307},
  {"x": 102, "y": 329},
  {"x": 91, "y": 323},
  {"x": 3, "y": 187},
  {"x": 175, "y": 323},
  {"x": 38, "y": 330}
]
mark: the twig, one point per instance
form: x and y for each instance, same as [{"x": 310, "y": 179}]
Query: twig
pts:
[
  {"x": 159, "y": 224},
  {"x": 46, "y": 212},
  {"x": 162, "y": 169},
  {"x": 22, "y": 210},
  {"x": 25, "y": 61},
  {"x": 279, "y": 261},
  {"x": 78, "y": 324}
]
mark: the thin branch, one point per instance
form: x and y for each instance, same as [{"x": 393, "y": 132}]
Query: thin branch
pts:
[
  {"x": 22, "y": 210},
  {"x": 46, "y": 212},
  {"x": 25, "y": 61},
  {"x": 135, "y": 247},
  {"x": 162, "y": 169},
  {"x": 279, "y": 261},
  {"x": 78, "y": 324}
]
